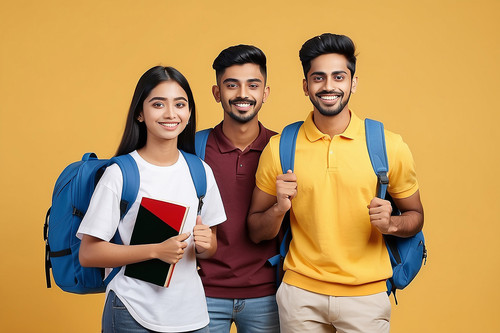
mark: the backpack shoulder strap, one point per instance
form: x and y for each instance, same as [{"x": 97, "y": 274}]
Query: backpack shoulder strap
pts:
[
  {"x": 200, "y": 142},
  {"x": 131, "y": 181},
  {"x": 375, "y": 142},
  {"x": 288, "y": 140},
  {"x": 198, "y": 175}
]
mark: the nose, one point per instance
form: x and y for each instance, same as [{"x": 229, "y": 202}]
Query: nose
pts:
[
  {"x": 329, "y": 84},
  {"x": 243, "y": 92},
  {"x": 169, "y": 111}
]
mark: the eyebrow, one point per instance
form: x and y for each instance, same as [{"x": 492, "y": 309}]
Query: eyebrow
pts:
[
  {"x": 164, "y": 99},
  {"x": 323, "y": 73},
  {"x": 235, "y": 80}
]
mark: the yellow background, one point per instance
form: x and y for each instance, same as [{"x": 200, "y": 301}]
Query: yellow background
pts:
[{"x": 428, "y": 69}]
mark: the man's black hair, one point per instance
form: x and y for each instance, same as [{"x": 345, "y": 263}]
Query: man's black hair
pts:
[
  {"x": 239, "y": 55},
  {"x": 325, "y": 44}
]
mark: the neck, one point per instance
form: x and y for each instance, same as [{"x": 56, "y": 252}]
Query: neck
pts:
[
  {"x": 160, "y": 154},
  {"x": 241, "y": 135},
  {"x": 332, "y": 125}
]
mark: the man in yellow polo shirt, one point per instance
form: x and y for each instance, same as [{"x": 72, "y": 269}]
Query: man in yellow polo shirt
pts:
[{"x": 337, "y": 265}]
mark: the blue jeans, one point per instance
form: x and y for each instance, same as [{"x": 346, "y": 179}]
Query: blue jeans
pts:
[
  {"x": 117, "y": 319},
  {"x": 250, "y": 315}
]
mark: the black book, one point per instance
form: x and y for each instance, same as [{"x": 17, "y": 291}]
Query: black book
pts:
[{"x": 156, "y": 222}]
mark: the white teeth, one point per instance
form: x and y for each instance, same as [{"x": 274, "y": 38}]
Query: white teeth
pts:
[
  {"x": 243, "y": 105},
  {"x": 330, "y": 98},
  {"x": 169, "y": 124}
]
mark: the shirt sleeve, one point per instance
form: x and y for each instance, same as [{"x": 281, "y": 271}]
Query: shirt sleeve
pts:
[
  {"x": 212, "y": 212},
  {"x": 402, "y": 173},
  {"x": 103, "y": 214},
  {"x": 265, "y": 177}
]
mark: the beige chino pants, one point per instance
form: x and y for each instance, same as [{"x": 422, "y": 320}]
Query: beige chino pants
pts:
[{"x": 304, "y": 311}]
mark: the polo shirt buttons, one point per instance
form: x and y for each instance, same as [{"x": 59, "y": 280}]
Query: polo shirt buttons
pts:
[{"x": 241, "y": 167}]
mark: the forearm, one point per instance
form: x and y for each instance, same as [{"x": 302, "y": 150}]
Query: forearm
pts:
[
  {"x": 265, "y": 225},
  {"x": 407, "y": 224},
  {"x": 98, "y": 253},
  {"x": 267, "y": 211},
  {"x": 411, "y": 220}
]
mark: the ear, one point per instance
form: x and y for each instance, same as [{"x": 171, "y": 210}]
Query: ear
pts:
[
  {"x": 354, "y": 84},
  {"x": 216, "y": 93},
  {"x": 267, "y": 90},
  {"x": 304, "y": 86},
  {"x": 140, "y": 117}
]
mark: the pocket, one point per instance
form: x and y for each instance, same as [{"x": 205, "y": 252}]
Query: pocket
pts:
[
  {"x": 117, "y": 302},
  {"x": 386, "y": 307},
  {"x": 279, "y": 294}
]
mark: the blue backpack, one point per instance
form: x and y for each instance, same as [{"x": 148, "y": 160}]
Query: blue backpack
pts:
[
  {"x": 200, "y": 142},
  {"x": 406, "y": 254},
  {"x": 70, "y": 200}
]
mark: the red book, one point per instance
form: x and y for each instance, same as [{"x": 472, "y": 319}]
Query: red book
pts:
[{"x": 156, "y": 222}]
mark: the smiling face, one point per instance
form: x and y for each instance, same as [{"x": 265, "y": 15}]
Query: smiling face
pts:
[
  {"x": 241, "y": 90},
  {"x": 165, "y": 112},
  {"x": 329, "y": 84}
]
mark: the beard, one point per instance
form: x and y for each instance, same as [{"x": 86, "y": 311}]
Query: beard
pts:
[
  {"x": 247, "y": 116},
  {"x": 329, "y": 112},
  {"x": 242, "y": 119}
]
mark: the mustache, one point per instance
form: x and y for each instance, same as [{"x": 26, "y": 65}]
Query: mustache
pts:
[
  {"x": 329, "y": 92},
  {"x": 242, "y": 100}
]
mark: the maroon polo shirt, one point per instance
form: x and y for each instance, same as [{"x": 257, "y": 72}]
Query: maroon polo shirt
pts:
[{"x": 238, "y": 269}]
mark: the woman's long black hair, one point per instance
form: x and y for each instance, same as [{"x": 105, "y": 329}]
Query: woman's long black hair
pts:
[{"x": 135, "y": 134}]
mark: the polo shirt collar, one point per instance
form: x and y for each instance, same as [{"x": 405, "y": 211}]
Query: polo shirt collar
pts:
[
  {"x": 354, "y": 129},
  {"x": 225, "y": 145}
]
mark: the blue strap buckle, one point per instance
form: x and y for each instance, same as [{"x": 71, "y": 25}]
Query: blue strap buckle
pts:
[{"x": 200, "y": 204}]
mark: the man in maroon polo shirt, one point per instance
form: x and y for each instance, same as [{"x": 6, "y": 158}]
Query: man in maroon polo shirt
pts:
[{"x": 239, "y": 285}]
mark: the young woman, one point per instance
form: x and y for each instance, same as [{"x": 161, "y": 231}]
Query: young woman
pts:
[{"x": 161, "y": 120}]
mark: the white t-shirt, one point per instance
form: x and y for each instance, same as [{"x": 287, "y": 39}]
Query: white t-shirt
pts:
[{"x": 181, "y": 306}]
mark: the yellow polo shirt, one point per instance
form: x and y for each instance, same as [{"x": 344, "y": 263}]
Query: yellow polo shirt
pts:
[{"x": 335, "y": 250}]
